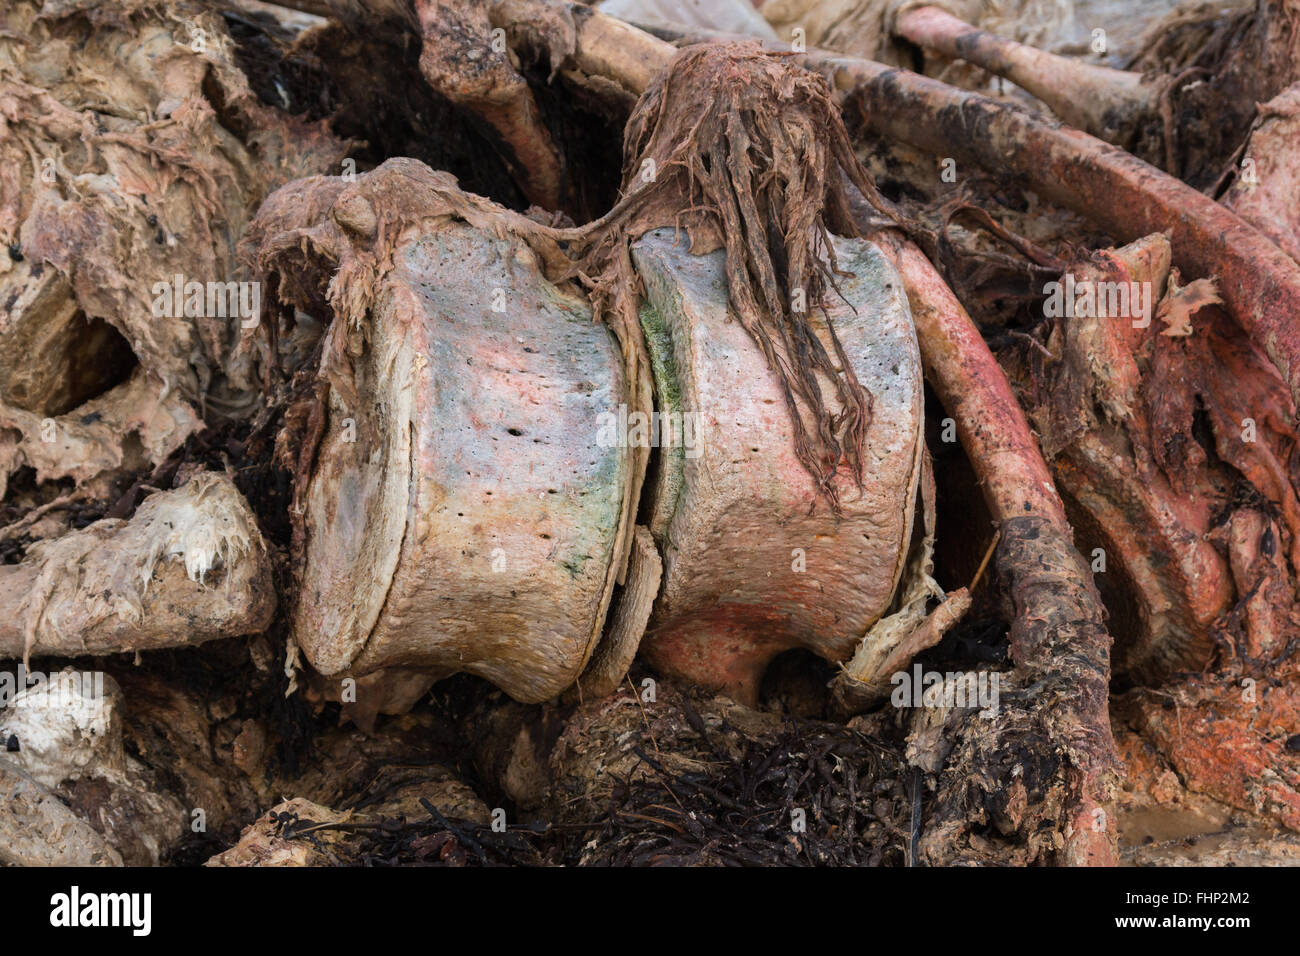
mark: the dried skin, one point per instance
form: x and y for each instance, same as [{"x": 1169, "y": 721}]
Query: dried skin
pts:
[
  {"x": 136, "y": 424},
  {"x": 190, "y": 566},
  {"x": 69, "y": 736},
  {"x": 1193, "y": 494},
  {"x": 38, "y": 829},
  {"x": 1151, "y": 436},
  {"x": 134, "y": 151}
]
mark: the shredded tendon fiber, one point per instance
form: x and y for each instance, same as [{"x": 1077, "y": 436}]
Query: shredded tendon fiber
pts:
[{"x": 745, "y": 150}]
